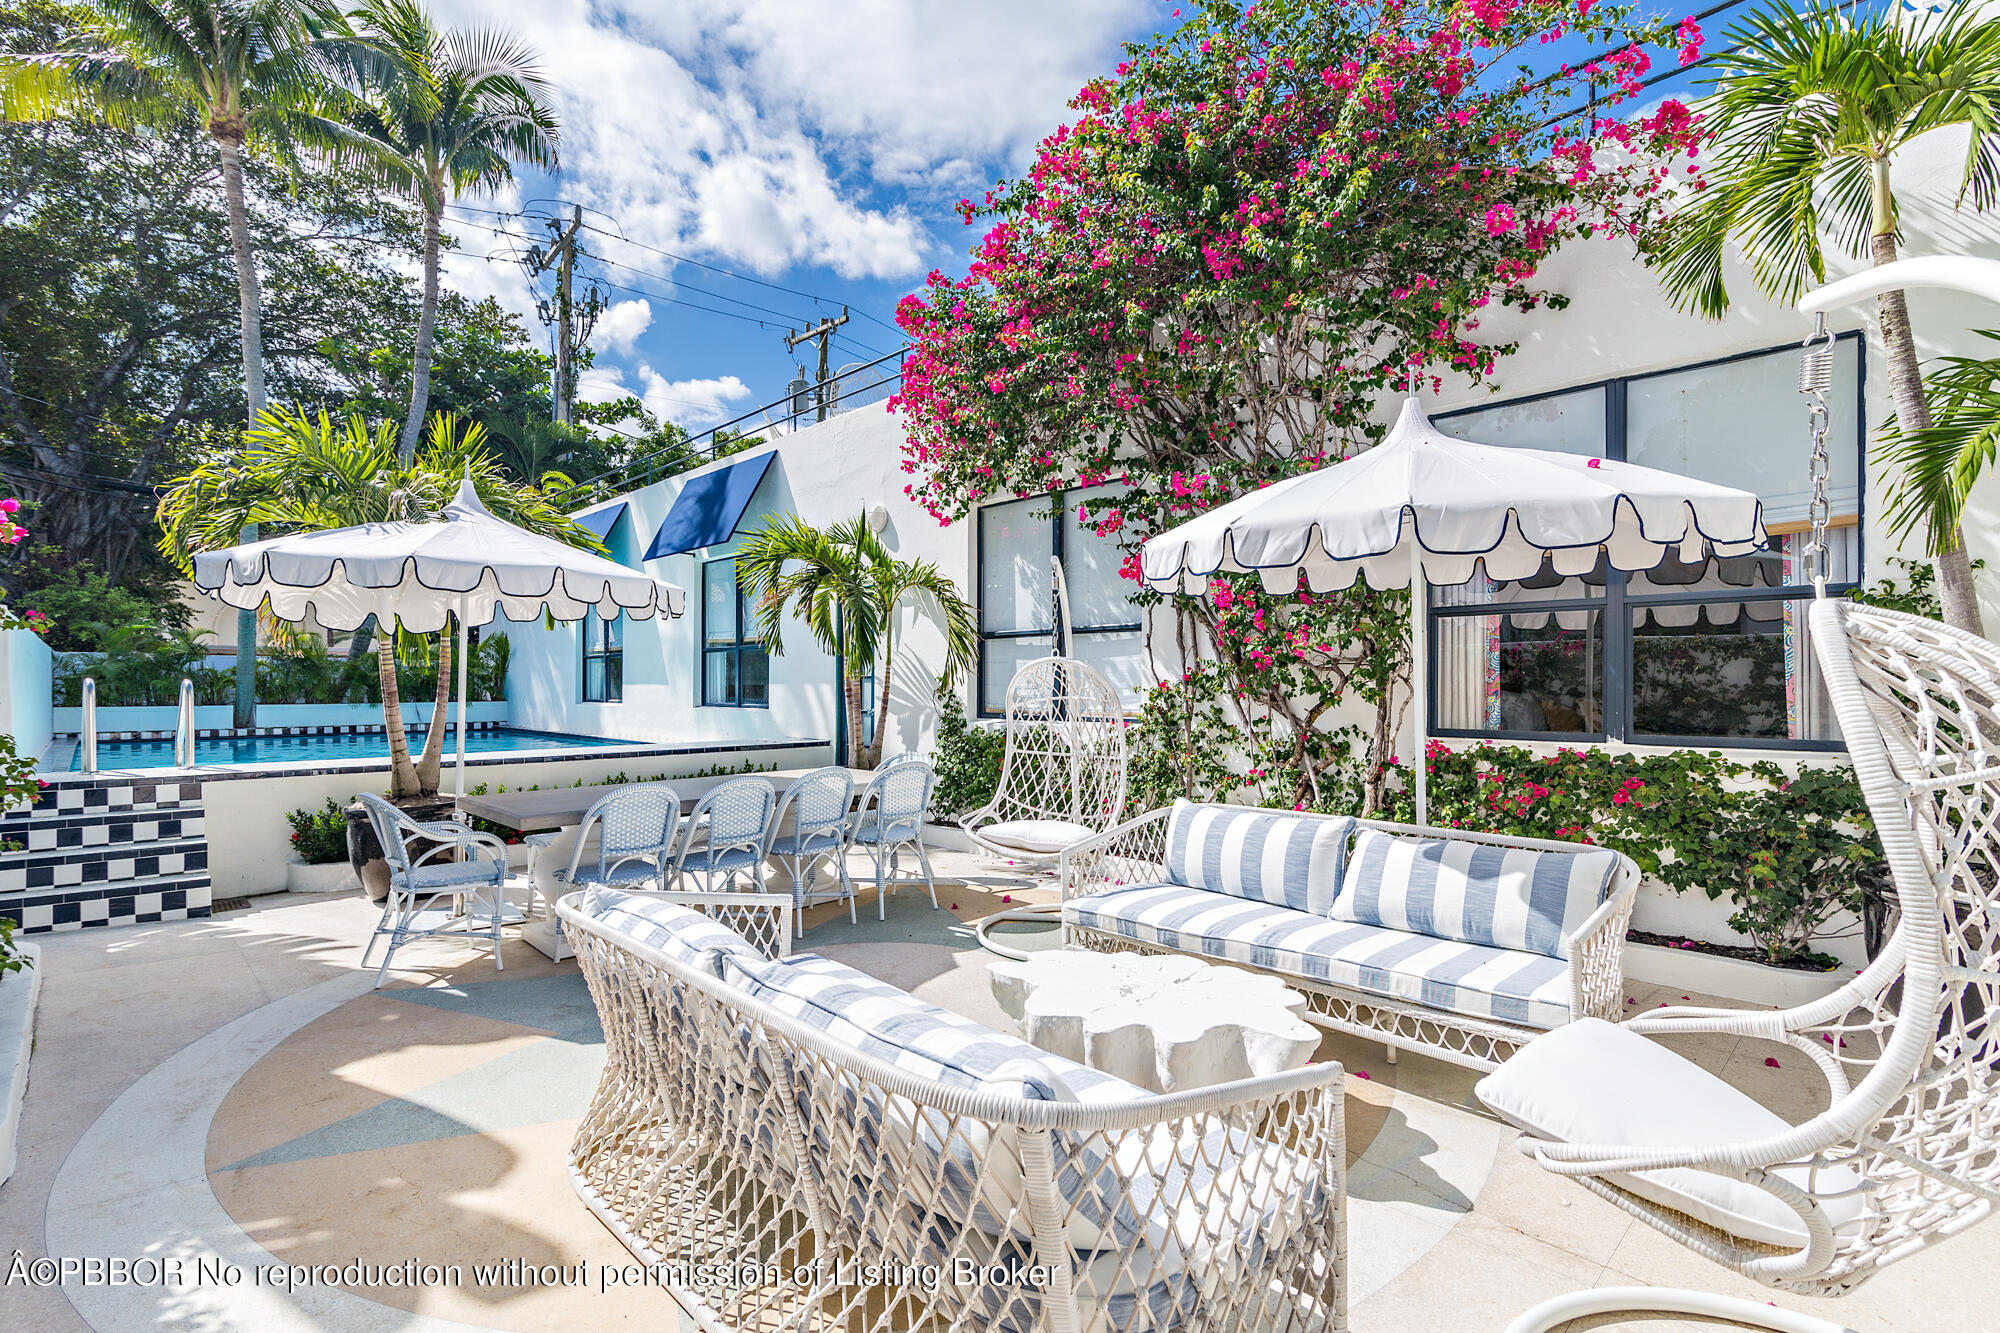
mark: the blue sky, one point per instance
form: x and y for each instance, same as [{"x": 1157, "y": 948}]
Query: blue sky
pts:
[{"x": 813, "y": 149}]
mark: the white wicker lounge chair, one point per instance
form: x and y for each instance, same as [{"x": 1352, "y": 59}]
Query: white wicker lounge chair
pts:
[
  {"x": 1062, "y": 773},
  {"x": 798, "y": 1145},
  {"x": 1907, "y": 1151}
]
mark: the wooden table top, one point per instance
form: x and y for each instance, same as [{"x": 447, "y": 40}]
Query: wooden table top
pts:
[{"x": 564, "y": 807}]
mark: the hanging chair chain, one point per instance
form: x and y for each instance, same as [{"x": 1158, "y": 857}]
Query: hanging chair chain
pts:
[{"x": 1815, "y": 378}]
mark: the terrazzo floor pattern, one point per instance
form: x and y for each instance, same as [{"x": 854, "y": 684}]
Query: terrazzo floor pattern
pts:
[{"x": 311, "y": 1120}]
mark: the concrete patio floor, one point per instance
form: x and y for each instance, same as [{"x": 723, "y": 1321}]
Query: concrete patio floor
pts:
[{"x": 233, "y": 1087}]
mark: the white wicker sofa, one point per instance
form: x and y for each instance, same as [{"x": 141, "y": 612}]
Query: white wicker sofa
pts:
[
  {"x": 1464, "y": 946},
  {"x": 787, "y": 1142}
]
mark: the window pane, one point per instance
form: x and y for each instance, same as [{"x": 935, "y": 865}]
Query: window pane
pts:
[
  {"x": 1016, "y": 541},
  {"x": 593, "y": 679},
  {"x": 754, "y": 676},
  {"x": 1121, "y": 656},
  {"x": 718, "y": 579},
  {"x": 1097, "y": 595},
  {"x": 1743, "y": 424},
  {"x": 1569, "y": 423},
  {"x": 1727, "y": 671},
  {"x": 1003, "y": 658},
  {"x": 614, "y": 678},
  {"x": 614, "y": 632},
  {"x": 1496, "y": 673},
  {"x": 718, "y": 682}
]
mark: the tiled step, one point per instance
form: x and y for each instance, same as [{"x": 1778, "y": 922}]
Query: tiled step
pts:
[
  {"x": 68, "y": 867},
  {"x": 105, "y": 852},
  {"x": 129, "y": 902}
]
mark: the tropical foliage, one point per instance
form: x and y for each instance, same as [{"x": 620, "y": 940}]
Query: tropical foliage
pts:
[
  {"x": 1255, "y": 228},
  {"x": 319, "y": 836},
  {"x": 847, "y": 588},
  {"x": 17, "y": 771},
  {"x": 307, "y": 472},
  {"x": 1811, "y": 109}
]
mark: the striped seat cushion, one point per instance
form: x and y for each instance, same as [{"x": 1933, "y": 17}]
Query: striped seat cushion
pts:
[
  {"x": 1474, "y": 892},
  {"x": 969, "y": 1174},
  {"x": 681, "y": 933},
  {"x": 1258, "y": 855},
  {"x": 1476, "y": 980}
]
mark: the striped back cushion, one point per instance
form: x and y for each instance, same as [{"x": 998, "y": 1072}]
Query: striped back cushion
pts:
[
  {"x": 681, "y": 933},
  {"x": 1473, "y": 892},
  {"x": 1263, "y": 856}
]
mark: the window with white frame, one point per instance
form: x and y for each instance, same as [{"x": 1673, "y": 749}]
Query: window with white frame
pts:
[
  {"x": 735, "y": 669},
  {"x": 603, "y": 659},
  {"x": 1017, "y": 540},
  {"x": 1708, "y": 653}
]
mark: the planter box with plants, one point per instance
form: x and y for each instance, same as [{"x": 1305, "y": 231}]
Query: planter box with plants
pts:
[{"x": 320, "y": 839}]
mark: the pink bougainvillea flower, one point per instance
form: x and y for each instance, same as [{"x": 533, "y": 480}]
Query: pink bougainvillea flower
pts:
[
  {"x": 1770, "y": 1062},
  {"x": 1361, "y": 1073},
  {"x": 1006, "y": 897}
]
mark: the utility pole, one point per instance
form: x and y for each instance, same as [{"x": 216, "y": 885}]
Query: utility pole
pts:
[
  {"x": 823, "y": 331},
  {"x": 562, "y": 254}
]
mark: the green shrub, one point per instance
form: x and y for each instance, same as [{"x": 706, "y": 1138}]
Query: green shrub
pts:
[
  {"x": 968, "y": 760},
  {"x": 319, "y": 836},
  {"x": 12, "y": 959}
]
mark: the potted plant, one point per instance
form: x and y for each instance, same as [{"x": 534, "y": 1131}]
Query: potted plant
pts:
[{"x": 319, "y": 838}]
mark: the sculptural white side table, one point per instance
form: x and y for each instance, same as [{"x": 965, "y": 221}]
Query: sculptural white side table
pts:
[{"x": 1164, "y": 1022}]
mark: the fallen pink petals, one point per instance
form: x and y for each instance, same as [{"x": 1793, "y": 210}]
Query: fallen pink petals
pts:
[{"x": 1770, "y": 1062}]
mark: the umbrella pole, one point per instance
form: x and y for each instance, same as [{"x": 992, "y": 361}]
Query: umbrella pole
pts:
[
  {"x": 1420, "y": 663},
  {"x": 461, "y": 695}
]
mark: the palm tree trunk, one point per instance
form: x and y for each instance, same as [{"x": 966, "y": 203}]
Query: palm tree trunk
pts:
[
  {"x": 403, "y": 775},
  {"x": 851, "y": 689},
  {"x": 882, "y": 708},
  {"x": 1957, "y": 595},
  {"x": 249, "y": 302},
  {"x": 420, "y": 365},
  {"x": 431, "y": 764}
]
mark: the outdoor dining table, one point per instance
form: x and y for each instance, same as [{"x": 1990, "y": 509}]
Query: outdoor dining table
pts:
[{"x": 559, "y": 810}]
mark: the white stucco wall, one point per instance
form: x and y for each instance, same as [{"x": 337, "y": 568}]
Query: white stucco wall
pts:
[
  {"x": 26, "y": 666},
  {"x": 825, "y": 473}
]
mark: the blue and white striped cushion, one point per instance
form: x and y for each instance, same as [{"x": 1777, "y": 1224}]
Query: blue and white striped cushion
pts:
[
  {"x": 679, "y": 932},
  {"x": 928, "y": 1042},
  {"x": 1260, "y": 855},
  {"x": 1476, "y": 980},
  {"x": 1506, "y": 897}
]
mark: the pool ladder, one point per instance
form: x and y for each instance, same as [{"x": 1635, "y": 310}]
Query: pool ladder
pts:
[{"x": 183, "y": 726}]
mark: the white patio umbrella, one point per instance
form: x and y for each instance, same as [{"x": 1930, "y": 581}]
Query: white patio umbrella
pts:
[
  {"x": 1423, "y": 507},
  {"x": 469, "y": 562}
]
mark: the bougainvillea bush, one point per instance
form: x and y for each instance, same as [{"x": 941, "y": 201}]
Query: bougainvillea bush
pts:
[
  {"x": 1790, "y": 851},
  {"x": 18, "y": 783},
  {"x": 1254, "y": 228}
]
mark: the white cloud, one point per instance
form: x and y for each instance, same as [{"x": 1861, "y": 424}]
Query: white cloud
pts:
[
  {"x": 619, "y": 326},
  {"x": 759, "y": 131},
  {"x": 692, "y": 403}
]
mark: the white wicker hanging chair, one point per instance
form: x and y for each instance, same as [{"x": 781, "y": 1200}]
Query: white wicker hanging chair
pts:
[
  {"x": 1063, "y": 771},
  {"x": 1907, "y": 1149}
]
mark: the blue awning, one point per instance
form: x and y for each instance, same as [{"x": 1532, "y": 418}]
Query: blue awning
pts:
[
  {"x": 601, "y": 521},
  {"x": 709, "y": 507}
]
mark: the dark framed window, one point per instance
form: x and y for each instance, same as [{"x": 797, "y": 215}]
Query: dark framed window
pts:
[
  {"x": 735, "y": 669},
  {"x": 1016, "y": 623},
  {"x": 603, "y": 659},
  {"x": 1714, "y": 653}
]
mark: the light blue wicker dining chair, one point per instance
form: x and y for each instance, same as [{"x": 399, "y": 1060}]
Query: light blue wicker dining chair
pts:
[
  {"x": 637, "y": 831},
  {"x": 736, "y": 817},
  {"x": 890, "y": 818},
  {"x": 419, "y": 887},
  {"x": 819, "y": 803}
]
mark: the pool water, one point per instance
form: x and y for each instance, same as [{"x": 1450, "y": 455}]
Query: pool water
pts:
[{"x": 275, "y": 749}]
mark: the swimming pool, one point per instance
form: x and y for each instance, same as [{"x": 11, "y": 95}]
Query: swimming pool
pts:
[{"x": 281, "y": 749}]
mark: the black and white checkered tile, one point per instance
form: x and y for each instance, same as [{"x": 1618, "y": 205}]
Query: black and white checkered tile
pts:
[
  {"x": 105, "y": 852},
  {"x": 239, "y": 733}
]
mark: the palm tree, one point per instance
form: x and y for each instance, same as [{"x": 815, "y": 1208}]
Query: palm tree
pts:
[
  {"x": 1937, "y": 465},
  {"x": 311, "y": 472},
  {"x": 248, "y": 68},
  {"x": 1808, "y": 113},
  {"x": 440, "y": 113},
  {"x": 846, "y": 587}
]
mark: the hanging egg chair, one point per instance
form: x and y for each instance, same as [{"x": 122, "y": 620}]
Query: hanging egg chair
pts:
[{"x": 1063, "y": 771}]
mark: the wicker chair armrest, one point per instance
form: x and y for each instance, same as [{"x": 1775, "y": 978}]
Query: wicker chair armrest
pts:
[
  {"x": 1111, "y": 858},
  {"x": 1597, "y": 952}
]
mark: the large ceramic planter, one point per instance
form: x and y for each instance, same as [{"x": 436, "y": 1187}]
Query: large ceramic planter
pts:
[
  {"x": 327, "y": 877},
  {"x": 18, "y": 993}
]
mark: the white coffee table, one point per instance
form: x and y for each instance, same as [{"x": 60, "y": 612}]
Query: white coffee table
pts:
[{"x": 1165, "y": 1022}]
